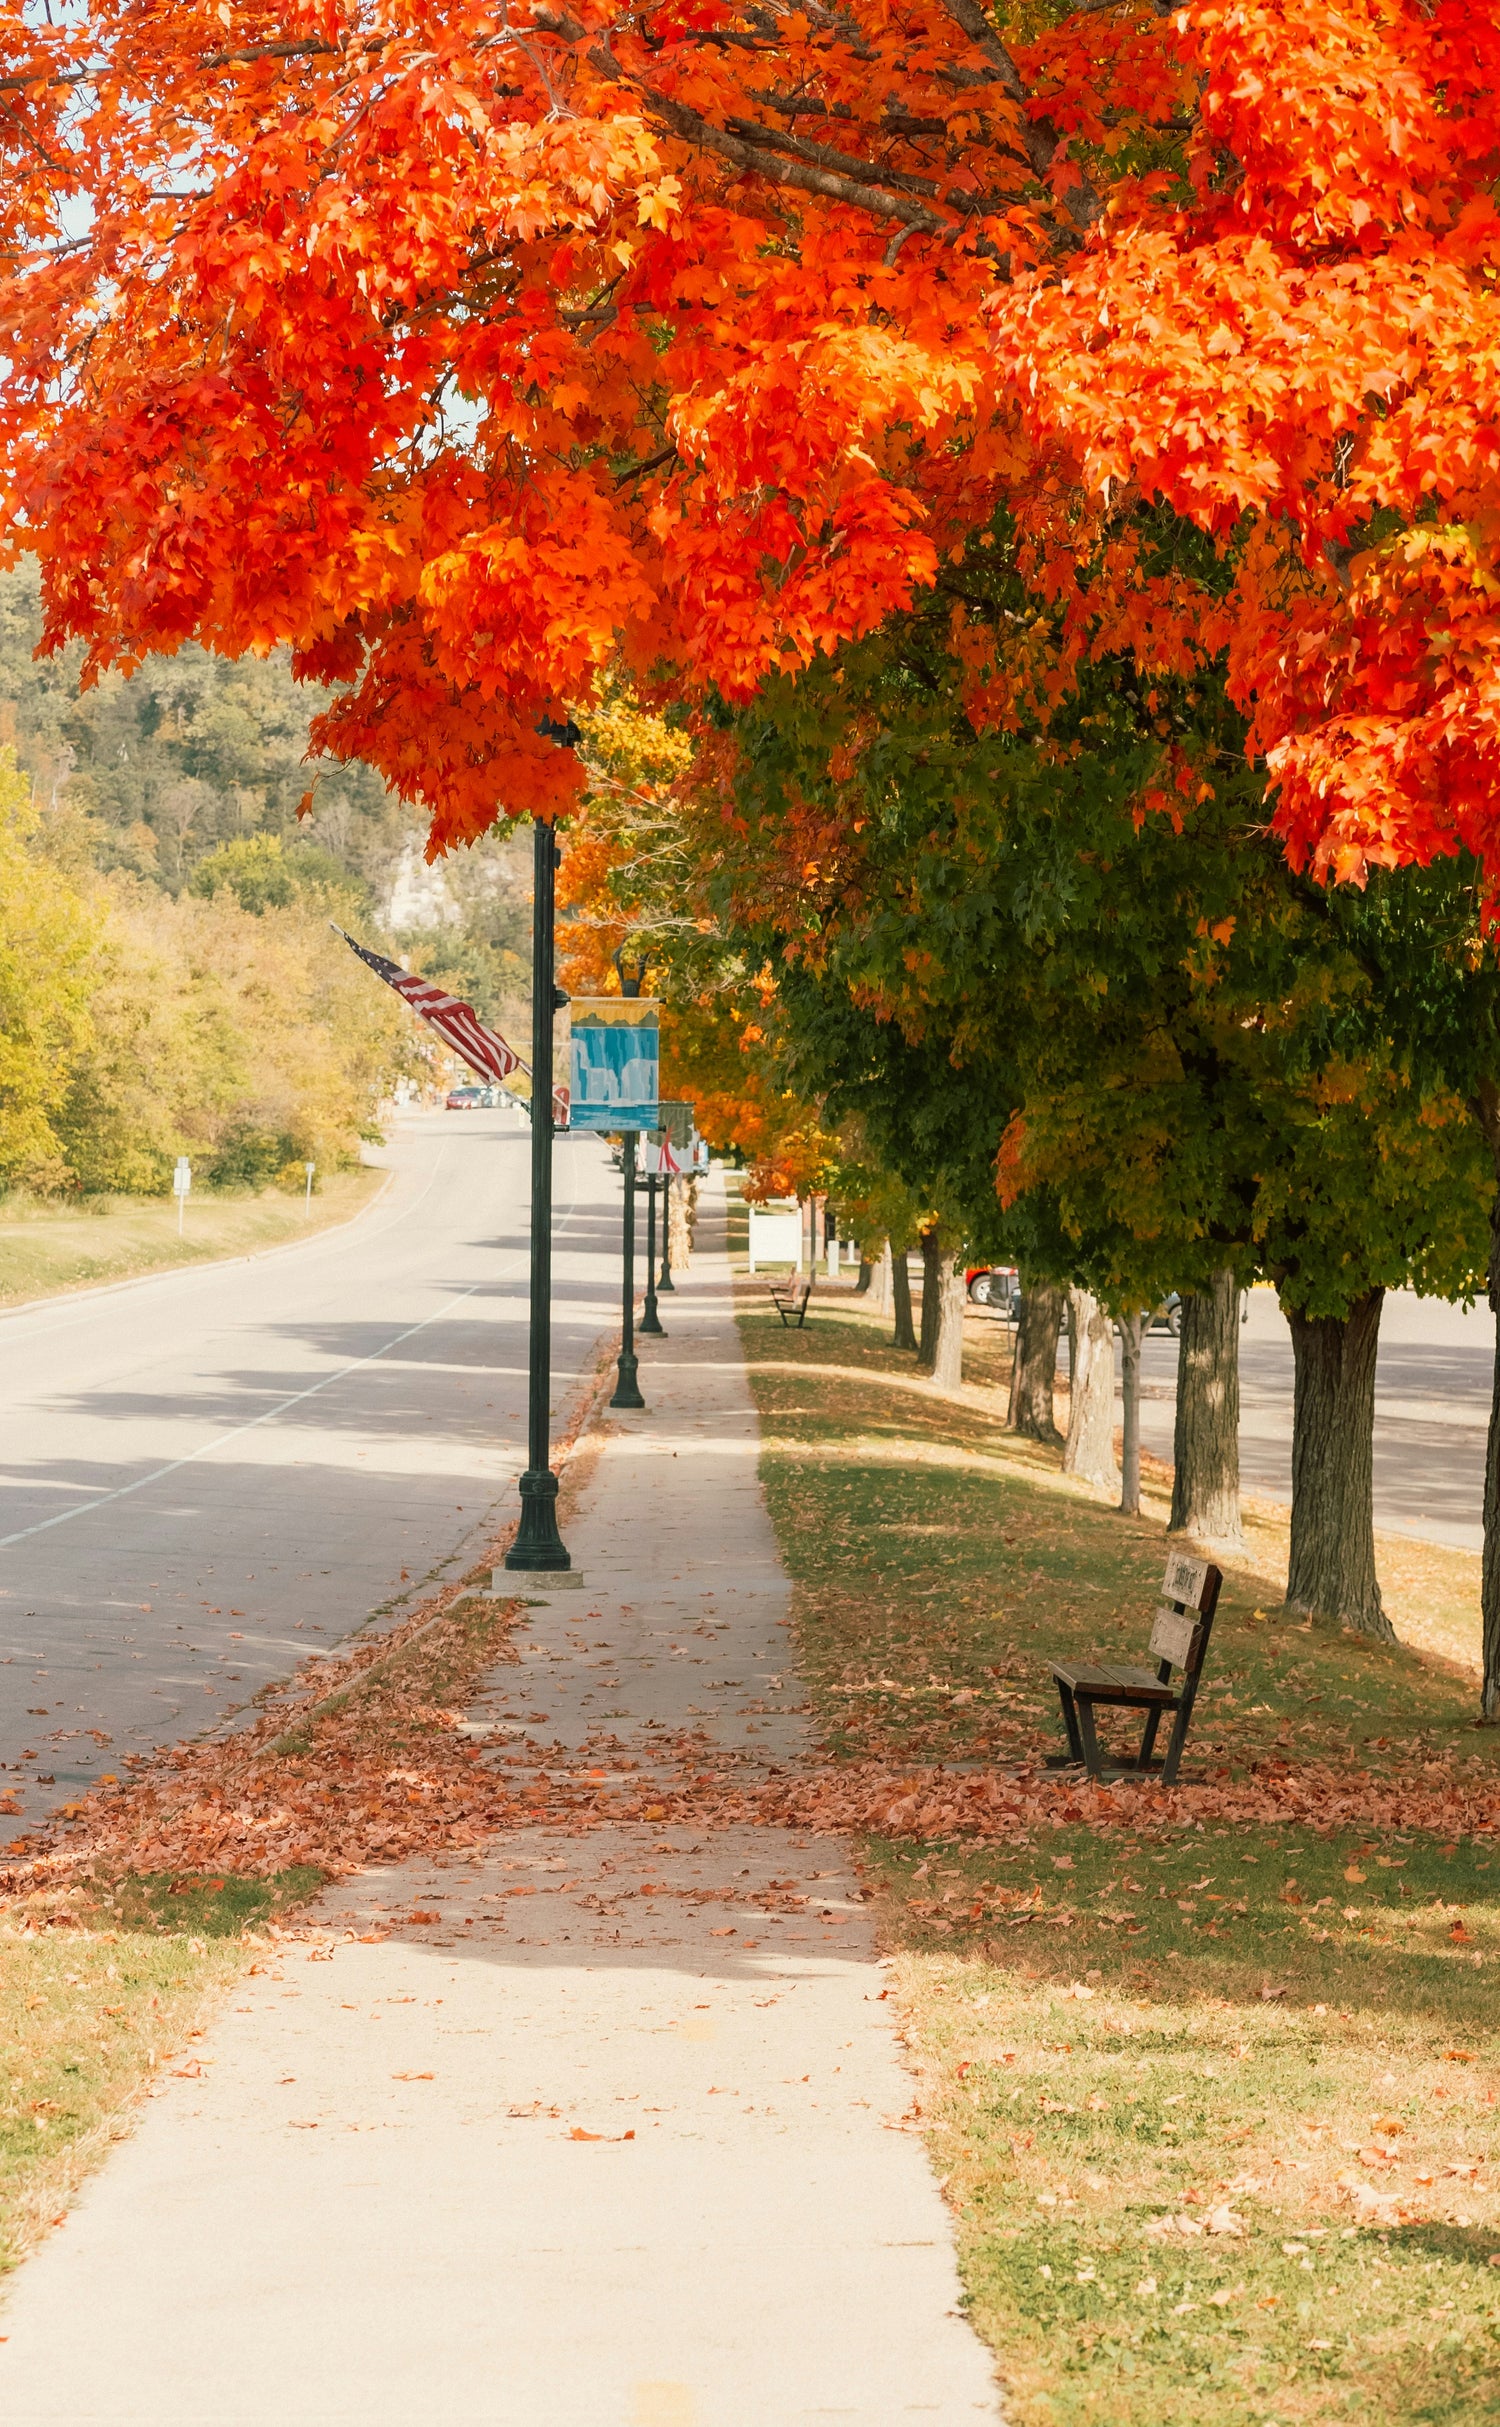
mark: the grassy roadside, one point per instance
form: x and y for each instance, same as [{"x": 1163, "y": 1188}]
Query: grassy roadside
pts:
[
  {"x": 123, "y": 1932},
  {"x": 101, "y": 1988},
  {"x": 1214, "y": 2106},
  {"x": 44, "y": 1249}
]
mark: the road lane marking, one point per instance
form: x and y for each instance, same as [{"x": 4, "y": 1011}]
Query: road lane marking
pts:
[{"x": 124, "y": 1491}]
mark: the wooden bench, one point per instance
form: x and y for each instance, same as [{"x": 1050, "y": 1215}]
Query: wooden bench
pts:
[
  {"x": 1179, "y": 1640},
  {"x": 789, "y": 1297}
]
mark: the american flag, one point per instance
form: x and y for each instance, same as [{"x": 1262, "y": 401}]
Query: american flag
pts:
[{"x": 457, "y": 1023}]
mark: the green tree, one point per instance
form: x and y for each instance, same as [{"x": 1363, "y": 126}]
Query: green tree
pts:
[
  {"x": 49, "y": 944},
  {"x": 1069, "y": 941}
]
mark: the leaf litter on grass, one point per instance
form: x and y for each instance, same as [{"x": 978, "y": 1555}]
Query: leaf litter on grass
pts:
[{"x": 1209, "y": 2075}]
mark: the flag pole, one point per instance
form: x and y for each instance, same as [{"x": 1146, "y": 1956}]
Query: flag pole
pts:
[{"x": 538, "y": 1543}]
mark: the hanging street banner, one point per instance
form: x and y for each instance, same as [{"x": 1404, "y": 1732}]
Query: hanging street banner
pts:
[
  {"x": 615, "y": 1063},
  {"x": 676, "y": 1126},
  {"x": 660, "y": 1162}
]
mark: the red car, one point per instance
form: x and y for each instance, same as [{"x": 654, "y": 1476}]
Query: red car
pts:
[
  {"x": 465, "y": 1099},
  {"x": 991, "y": 1285}
]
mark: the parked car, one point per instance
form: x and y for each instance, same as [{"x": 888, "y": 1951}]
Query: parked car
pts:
[
  {"x": 465, "y": 1099},
  {"x": 1167, "y": 1316},
  {"x": 991, "y": 1284}
]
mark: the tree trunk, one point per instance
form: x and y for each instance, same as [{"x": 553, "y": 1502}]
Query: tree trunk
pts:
[
  {"x": 682, "y": 1206},
  {"x": 932, "y": 1300},
  {"x": 1489, "y": 1588},
  {"x": 880, "y": 1292},
  {"x": 1131, "y": 1329},
  {"x": 948, "y": 1335},
  {"x": 1034, "y": 1368},
  {"x": 1090, "y": 1447},
  {"x": 1206, "y": 1433},
  {"x": 905, "y": 1334},
  {"x": 1332, "y": 1572},
  {"x": 863, "y": 1277},
  {"x": 1486, "y": 1110}
]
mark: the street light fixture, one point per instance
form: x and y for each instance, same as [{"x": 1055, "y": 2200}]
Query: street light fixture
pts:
[
  {"x": 650, "y": 1319},
  {"x": 627, "y": 1389},
  {"x": 664, "y": 1278}
]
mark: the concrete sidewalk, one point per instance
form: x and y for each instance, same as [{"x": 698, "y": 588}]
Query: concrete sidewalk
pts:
[{"x": 596, "y": 2129}]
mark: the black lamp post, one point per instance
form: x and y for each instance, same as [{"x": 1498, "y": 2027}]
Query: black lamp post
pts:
[
  {"x": 627, "y": 1389},
  {"x": 664, "y": 1278},
  {"x": 650, "y": 1319},
  {"x": 538, "y": 1544}
]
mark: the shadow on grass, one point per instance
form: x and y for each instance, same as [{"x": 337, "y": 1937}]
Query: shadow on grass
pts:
[{"x": 938, "y": 1557}]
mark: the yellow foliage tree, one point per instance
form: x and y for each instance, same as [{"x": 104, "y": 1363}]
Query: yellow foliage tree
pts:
[{"x": 134, "y": 1028}]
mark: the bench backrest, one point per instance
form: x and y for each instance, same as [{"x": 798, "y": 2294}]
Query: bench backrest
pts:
[{"x": 1185, "y": 1615}]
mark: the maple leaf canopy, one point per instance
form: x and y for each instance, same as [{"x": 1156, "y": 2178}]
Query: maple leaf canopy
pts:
[{"x": 470, "y": 350}]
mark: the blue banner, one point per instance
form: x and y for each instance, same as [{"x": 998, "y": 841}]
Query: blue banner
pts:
[{"x": 615, "y": 1064}]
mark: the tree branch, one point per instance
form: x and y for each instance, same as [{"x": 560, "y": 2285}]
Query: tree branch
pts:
[
  {"x": 1081, "y": 202},
  {"x": 807, "y": 179}
]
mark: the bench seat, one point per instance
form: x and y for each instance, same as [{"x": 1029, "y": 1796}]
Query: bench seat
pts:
[
  {"x": 790, "y": 1299},
  {"x": 1114, "y": 1685},
  {"x": 1179, "y": 1640}
]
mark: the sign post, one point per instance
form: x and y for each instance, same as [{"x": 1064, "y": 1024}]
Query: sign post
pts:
[{"x": 182, "y": 1181}]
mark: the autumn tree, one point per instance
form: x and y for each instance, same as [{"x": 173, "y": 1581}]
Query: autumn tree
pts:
[
  {"x": 462, "y": 352},
  {"x": 1193, "y": 1061}
]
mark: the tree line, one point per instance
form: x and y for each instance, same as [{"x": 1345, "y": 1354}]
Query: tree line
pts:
[{"x": 1051, "y": 993}]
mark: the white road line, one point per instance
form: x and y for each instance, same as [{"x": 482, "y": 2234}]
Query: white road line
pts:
[{"x": 123, "y": 1491}]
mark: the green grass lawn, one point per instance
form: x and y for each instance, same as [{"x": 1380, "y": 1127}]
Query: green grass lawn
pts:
[
  {"x": 100, "y": 1990},
  {"x": 1215, "y": 2108},
  {"x": 46, "y": 1248}
]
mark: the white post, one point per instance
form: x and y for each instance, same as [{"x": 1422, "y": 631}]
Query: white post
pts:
[
  {"x": 309, "y": 1168},
  {"x": 750, "y": 1212},
  {"x": 801, "y": 1238},
  {"x": 833, "y": 1259},
  {"x": 182, "y": 1181}
]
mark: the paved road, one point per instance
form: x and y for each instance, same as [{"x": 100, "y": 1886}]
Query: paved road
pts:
[
  {"x": 206, "y": 1475},
  {"x": 1432, "y": 1403}
]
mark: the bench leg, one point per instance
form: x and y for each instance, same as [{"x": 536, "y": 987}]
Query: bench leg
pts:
[
  {"x": 1070, "y": 1721},
  {"x": 1092, "y": 1755},
  {"x": 1177, "y": 1740},
  {"x": 1148, "y": 1740}
]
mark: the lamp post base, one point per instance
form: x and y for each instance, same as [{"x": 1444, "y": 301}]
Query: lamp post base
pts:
[
  {"x": 627, "y": 1389},
  {"x": 538, "y": 1545},
  {"x": 652, "y": 1322}
]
